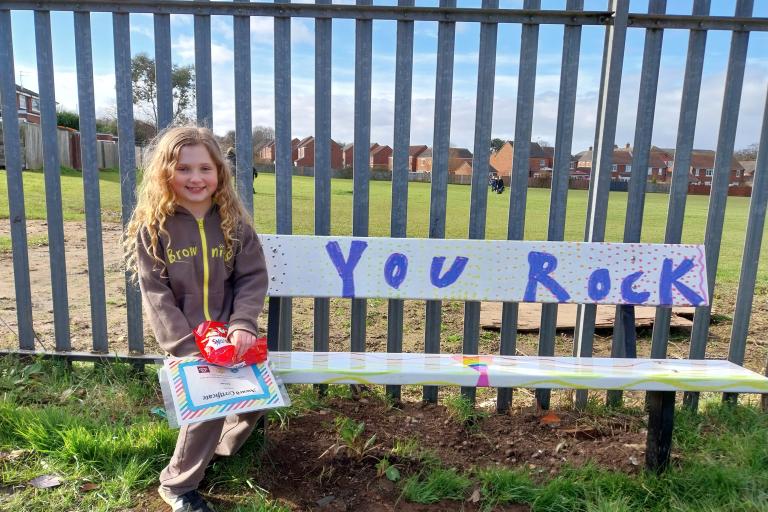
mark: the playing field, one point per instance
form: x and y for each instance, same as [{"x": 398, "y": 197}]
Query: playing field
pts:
[{"x": 418, "y": 212}]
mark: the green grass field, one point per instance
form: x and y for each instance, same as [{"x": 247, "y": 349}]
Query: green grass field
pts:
[{"x": 537, "y": 212}]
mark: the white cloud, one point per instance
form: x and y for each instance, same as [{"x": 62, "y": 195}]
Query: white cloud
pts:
[
  {"x": 184, "y": 46},
  {"x": 142, "y": 30},
  {"x": 181, "y": 20},
  {"x": 263, "y": 30}
]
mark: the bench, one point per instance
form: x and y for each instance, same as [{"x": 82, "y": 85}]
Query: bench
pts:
[{"x": 467, "y": 270}]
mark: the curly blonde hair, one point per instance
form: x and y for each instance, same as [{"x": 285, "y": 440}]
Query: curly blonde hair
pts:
[{"x": 156, "y": 200}]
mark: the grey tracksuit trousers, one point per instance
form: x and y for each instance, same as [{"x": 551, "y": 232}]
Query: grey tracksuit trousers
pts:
[{"x": 198, "y": 443}]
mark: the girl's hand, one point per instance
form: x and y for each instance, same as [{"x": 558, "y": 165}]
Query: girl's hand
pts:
[{"x": 243, "y": 341}]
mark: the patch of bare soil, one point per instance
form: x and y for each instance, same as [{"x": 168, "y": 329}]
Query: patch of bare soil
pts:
[{"x": 304, "y": 467}]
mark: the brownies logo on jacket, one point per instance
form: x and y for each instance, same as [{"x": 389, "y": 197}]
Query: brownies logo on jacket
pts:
[{"x": 187, "y": 253}]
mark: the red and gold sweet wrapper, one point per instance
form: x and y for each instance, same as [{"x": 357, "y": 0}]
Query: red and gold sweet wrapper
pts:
[{"x": 212, "y": 340}]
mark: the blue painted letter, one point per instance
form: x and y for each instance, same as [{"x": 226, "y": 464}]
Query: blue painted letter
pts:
[
  {"x": 449, "y": 277},
  {"x": 540, "y": 265},
  {"x": 346, "y": 268},
  {"x": 629, "y": 295},
  {"x": 670, "y": 277},
  {"x": 599, "y": 284},
  {"x": 395, "y": 269}
]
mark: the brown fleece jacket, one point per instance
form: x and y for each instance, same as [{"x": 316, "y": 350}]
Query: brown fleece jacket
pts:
[{"x": 199, "y": 280}]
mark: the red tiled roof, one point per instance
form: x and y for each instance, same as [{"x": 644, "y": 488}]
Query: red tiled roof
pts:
[
  {"x": 460, "y": 153},
  {"x": 379, "y": 149},
  {"x": 305, "y": 140},
  {"x": 416, "y": 150}
]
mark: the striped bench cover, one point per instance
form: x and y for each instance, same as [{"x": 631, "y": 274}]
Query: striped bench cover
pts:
[{"x": 515, "y": 371}]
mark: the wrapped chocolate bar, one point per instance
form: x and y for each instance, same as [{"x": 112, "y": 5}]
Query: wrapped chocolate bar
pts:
[{"x": 215, "y": 347}]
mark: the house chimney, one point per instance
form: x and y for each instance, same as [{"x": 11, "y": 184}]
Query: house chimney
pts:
[
  {"x": 590, "y": 148},
  {"x": 627, "y": 146}
]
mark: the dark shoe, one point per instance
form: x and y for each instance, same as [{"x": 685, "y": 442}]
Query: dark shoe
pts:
[{"x": 188, "y": 502}]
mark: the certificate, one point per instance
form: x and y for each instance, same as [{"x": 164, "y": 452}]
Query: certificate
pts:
[{"x": 200, "y": 391}]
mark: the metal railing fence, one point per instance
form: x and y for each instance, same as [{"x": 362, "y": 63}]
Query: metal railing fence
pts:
[{"x": 616, "y": 19}]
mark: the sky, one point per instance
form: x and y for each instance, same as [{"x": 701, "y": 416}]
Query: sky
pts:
[{"x": 425, "y": 57}]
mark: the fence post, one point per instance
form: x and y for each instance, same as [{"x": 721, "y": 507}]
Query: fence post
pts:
[
  {"x": 283, "y": 163},
  {"x": 569, "y": 71},
  {"x": 126, "y": 138},
  {"x": 446, "y": 32},
  {"x": 52, "y": 170}
]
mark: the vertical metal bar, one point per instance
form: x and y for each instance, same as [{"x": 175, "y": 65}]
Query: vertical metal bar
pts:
[
  {"x": 624, "y": 333},
  {"x": 13, "y": 176},
  {"x": 283, "y": 163},
  {"x": 486, "y": 74},
  {"x": 273, "y": 323},
  {"x": 87, "y": 112},
  {"x": 678, "y": 192},
  {"x": 163, "y": 70},
  {"x": 602, "y": 158},
  {"x": 401, "y": 165},
  {"x": 243, "y": 124},
  {"x": 126, "y": 138},
  {"x": 752, "y": 244},
  {"x": 203, "y": 92},
  {"x": 52, "y": 172},
  {"x": 518, "y": 185},
  {"x": 566, "y": 107},
  {"x": 719, "y": 191},
  {"x": 323, "y": 145},
  {"x": 361, "y": 168},
  {"x": 440, "y": 148}
]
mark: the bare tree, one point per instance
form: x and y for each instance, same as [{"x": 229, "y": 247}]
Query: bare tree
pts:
[
  {"x": 747, "y": 153},
  {"x": 262, "y": 134}
]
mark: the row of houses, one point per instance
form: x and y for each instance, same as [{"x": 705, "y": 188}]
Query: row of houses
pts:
[
  {"x": 379, "y": 157},
  {"x": 660, "y": 164},
  {"x": 540, "y": 161}
]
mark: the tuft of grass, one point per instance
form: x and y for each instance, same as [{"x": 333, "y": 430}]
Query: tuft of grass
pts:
[
  {"x": 412, "y": 449},
  {"x": 305, "y": 399},
  {"x": 435, "y": 485},
  {"x": 461, "y": 409},
  {"x": 499, "y": 486},
  {"x": 261, "y": 503},
  {"x": 560, "y": 495}
]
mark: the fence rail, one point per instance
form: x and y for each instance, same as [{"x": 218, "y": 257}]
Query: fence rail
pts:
[{"x": 616, "y": 19}]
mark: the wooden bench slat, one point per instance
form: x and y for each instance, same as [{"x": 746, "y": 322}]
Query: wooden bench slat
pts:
[
  {"x": 485, "y": 270},
  {"x": 515, "y": 371}
]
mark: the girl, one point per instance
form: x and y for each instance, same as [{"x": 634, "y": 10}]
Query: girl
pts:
[{"x": 192, "y": 248}]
